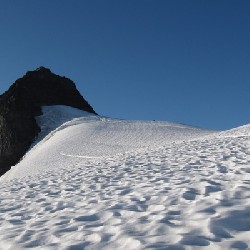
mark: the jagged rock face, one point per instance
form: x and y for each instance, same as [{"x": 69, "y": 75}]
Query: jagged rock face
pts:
[{"x": 22, "y": 102}]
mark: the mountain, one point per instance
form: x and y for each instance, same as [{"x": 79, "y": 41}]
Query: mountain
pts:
[
  {"x": 22, "y": 102},
  {"x": 93, "y": 182}
]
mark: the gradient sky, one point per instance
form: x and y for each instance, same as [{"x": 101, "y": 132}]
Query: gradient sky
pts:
[{"x": 173, "y": 60}]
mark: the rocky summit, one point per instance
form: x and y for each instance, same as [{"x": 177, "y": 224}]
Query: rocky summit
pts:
[{"x": 22, "y": 102}]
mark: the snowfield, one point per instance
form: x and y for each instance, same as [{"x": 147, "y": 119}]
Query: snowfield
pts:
[{"x": 92, "y": 182}]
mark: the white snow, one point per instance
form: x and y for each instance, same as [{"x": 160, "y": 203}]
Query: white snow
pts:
[{"x": 99, "y": 183}]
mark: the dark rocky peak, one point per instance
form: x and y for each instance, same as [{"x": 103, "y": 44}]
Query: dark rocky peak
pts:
[
  {"x": 42, "y": 87},
  {"x": 23, "y": 101},
  {"x": 43, "y": 70}
]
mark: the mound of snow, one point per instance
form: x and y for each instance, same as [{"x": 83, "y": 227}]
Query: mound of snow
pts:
[
  {"x": 240, "y": 131},
  {"x": 74, "y": 135}
]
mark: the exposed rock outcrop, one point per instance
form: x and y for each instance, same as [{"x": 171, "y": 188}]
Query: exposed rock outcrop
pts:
[{"x": 22, "y": 102}]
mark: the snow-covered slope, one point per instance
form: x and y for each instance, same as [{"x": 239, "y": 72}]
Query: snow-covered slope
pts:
[
  {"x": 100, "y": 183},
  {"x": 74, "y": 135}
]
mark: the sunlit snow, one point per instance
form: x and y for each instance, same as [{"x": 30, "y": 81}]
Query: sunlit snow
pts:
[{"x": 92, "y": 182}]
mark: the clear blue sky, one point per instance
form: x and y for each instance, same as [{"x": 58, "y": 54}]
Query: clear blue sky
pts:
[{"x": 173, "y": 60}]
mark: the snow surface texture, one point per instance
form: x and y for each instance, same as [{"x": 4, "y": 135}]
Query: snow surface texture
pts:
[{"x": 99, "y": 183}]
